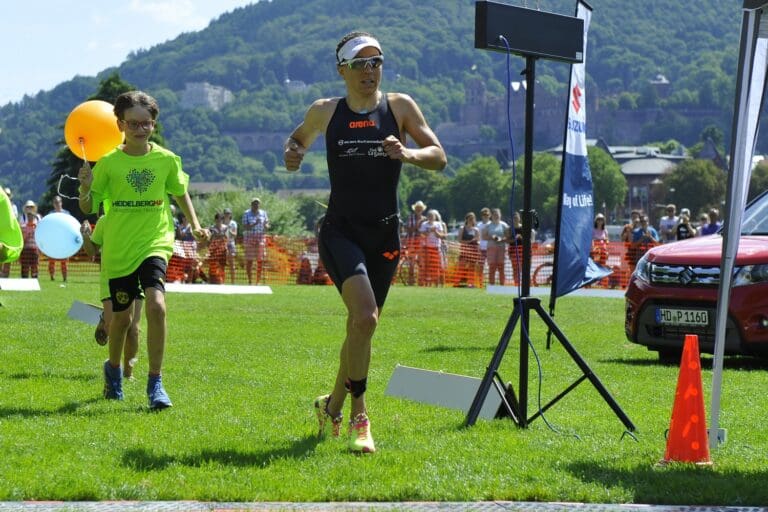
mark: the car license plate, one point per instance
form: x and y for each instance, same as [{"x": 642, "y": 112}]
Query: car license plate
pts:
[{"x": 673, "y": 316}]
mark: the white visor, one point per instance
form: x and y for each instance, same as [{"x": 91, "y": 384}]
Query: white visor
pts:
[{"x": 352, "y": 47}]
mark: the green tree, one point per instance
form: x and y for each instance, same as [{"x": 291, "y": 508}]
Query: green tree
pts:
[
  {"x": 696, "y": 184},
  {"x": 424, "y": 185},
  {"x": 311, "y": 208},
  {"x": 627, "y": 101},
  {"x": 546, "y": 187},
  {"x": 307, "y": 168},
  {"x": 759, "y": 182},
  {"x": 648, "y": 98},
  {"x": 270, "y": 161},
  {"x": 714, "y": 133},
  {"x": 283, "y": 219},
  {"x": 477, "y": 184},
  {"x": 608, "y": 183}
]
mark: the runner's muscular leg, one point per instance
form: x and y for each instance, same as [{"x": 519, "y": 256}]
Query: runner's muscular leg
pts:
[{"x": 355, "y": 355}]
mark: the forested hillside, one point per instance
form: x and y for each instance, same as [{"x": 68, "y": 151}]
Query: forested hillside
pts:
[{"x": 257, "y": 51}]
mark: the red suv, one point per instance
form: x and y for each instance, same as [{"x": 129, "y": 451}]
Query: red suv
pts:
[{"x": 673, "y": 292}]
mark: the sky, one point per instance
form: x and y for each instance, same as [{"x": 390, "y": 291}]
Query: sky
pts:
[{"x": 46, "y": 42}]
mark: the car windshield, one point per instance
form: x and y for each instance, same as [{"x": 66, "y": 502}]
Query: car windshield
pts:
[{"x": 755, "y": 221}]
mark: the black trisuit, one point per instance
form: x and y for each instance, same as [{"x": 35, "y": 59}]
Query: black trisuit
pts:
[{"x": 361, "y": 231}]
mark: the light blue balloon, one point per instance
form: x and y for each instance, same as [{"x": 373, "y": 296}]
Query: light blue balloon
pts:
[{"x": 58, "y": 236}]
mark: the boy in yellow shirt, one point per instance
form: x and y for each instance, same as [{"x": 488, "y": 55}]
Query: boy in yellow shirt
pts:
[{"x": 136, "y": 178}]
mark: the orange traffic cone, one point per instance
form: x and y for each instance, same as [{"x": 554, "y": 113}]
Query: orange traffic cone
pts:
[{"x": 687, "y": 440}]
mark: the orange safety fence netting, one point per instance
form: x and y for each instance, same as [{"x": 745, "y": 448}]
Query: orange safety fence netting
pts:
[{"x": 292, "y": 260}]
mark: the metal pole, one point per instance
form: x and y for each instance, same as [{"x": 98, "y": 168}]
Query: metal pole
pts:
[{"x": 525, "y": 278}]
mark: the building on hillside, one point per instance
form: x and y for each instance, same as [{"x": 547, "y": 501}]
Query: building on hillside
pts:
[
  {"x": 203, "y": 94},
  {"x": 482, "y": 123},
  {"x": 206, "y": 188},
  {"x": 644, "y": 168},
  {"x": 295, "y": 85},
  {"x": 257, "y": 142},
  {"x": 250, "y": 143},
  {"x": 661, "y": 85},
  {"x": 323, "y": 193}
]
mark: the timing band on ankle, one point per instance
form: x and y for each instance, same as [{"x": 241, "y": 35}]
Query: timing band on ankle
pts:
[{"x": 357, "y": 387}]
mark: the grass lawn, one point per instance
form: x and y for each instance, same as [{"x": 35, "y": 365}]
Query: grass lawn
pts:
[{"x": 242, "y": 372}]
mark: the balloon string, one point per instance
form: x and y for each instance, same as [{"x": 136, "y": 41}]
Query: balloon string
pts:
[{"x": 82, "y": 147}]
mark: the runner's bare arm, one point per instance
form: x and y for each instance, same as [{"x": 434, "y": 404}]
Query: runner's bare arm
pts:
[
  {"x": 429, "y": 154},
  {"x": 315, "y": 122}
]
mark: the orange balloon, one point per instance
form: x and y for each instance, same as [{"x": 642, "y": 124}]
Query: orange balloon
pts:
[{"x": 92, "y": 125}]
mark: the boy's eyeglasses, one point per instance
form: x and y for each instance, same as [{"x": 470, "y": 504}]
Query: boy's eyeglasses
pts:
[
  {"x": 135, "y": 125},
  {"x": 374, "y": 62}
]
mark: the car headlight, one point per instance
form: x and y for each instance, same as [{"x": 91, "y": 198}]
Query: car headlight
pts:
[
  {"x": 643, "y": 269},
  {"x": 750, "y": 274}
]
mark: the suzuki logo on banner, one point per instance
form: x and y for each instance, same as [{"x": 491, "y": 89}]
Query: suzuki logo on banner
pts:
[{"x": 576, "y": 96}]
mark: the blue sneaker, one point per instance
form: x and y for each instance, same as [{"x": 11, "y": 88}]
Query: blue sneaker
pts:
[
  {"x": 158, "y": 398},
  {"x": 113, "y": 382}
]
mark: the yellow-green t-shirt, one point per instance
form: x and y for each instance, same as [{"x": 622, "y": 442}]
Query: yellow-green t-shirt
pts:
[
  {"x": 139, "y": 222},
  {"x": 10, "y": 231}
]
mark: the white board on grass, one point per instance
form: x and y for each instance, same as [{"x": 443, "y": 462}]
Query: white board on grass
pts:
[
  {"x": 220, "y": 289},
  {"x": 88, "y": 313},
  {"x": 19, "y": 285},
  {"x": 443, "y": 389}
]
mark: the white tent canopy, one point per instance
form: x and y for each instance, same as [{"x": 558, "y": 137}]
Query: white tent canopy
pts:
[{"x": 750, "y": 87}]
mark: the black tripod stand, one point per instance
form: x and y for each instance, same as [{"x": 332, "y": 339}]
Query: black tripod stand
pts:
[{"x": 516, "y": 406}]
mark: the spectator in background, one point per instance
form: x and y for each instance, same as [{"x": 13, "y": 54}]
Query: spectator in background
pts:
[
  {"x": 413, "y": 241},
  {"x": 485, "y": 219},
  {"x": 57, "y": 208},
  {"x": 255, "y": 225},
  {"x": 599, "y": 251},
  {"x": 433, "y": 232},
  {"x": 469, "y": 252},
  {"x": 495, "y": 233},
  {"x": 185, "y": 254},
  {"x": 703, "y": 221},
  {"x": 668, "y": 225},
  {"x": 643, "y": 238},
  {"x": 443, "y": 249},
  {"x": 217, "y": 250},
  {"x": 29, "y": 219},
  {"x": 231, "y": 242},
  {"x": 515, "y": 248},
  {"x": 714, "y": 223},
  {"x": 645, "y": 233},
  {"x": 684, "y": 229},
  {"x": 184, "y": 229},
  {"x": 634, "y": 223}
]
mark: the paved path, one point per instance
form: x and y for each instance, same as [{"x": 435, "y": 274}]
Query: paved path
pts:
[{"x": 490, "y": 506}]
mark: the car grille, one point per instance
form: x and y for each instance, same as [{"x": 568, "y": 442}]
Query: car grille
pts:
[
  {"x": 685, "y": 275},
  {"x": 668, "y": 332}
]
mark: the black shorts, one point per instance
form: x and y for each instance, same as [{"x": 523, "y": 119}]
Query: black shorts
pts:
[
  {"x": 124, "y": 290},
  {"x": 349, "y": 249}
]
